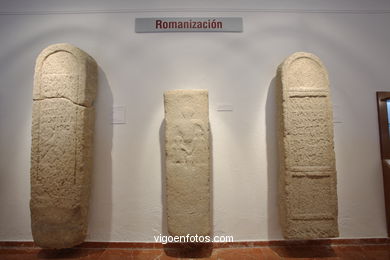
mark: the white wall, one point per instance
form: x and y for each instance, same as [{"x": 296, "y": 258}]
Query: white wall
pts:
[{"x": 351, "y": 37}]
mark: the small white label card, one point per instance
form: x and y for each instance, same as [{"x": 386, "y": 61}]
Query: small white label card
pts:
[
  {"x": 119, "y": 115},
  {"x": 224, "y": 107}
]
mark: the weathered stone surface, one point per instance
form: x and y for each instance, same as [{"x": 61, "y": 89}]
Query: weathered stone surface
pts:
[
  {"x": 187, "y": 149},
  {"x": 62, "y": 129},
  {"x": 307, "y": 177}
]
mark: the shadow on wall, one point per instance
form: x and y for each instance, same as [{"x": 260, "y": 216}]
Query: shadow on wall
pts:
[
  {"x": 211, "y": 182},
  {"x": 164, "y": 223},
  {"x": 100, "y": 209},
  {"x": 274, "y": 228},
  {"x": 184, "y": 250}
]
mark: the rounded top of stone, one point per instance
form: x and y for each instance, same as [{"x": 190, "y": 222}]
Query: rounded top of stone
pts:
[
  {"x": 299, "y": 55},
  {"x": 62, "y": 47},
  {"x": 303, "y": 71},
  {"x": 65, "y": 71}
]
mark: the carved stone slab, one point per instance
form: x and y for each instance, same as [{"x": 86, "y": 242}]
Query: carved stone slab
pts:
[
  {"x": 307, "y": 178},
  {"x": 187, "y": 149},
  {"x": 62, "y": 129}
]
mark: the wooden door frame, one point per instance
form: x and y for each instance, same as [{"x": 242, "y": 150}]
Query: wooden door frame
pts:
[{"x": 384, "y": 135}]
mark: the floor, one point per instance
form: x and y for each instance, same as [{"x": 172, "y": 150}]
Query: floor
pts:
[{"x": 248, "y": 250}]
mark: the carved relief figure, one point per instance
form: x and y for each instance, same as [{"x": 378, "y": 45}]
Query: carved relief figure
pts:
[{"x": 187, "y": 162}]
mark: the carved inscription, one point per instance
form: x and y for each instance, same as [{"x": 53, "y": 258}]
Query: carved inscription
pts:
[
  {"x": 308, "y": 197},
  {"x": 187, "y": 162},
  {"x": 62, "y": 130},
  {"x": 307, "y": 132}
]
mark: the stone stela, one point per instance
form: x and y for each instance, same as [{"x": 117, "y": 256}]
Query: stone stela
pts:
[
  {"x": 61, "y": 155},
  {"x": 307, "y": 178},
  {"x": 187, "y": 150}
]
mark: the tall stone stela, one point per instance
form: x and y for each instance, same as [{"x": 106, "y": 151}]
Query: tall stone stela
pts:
[
  {"x": 187, "y": 162},
  {"x": 65, "y": 83},
  {"x": 307, "y": 176}
]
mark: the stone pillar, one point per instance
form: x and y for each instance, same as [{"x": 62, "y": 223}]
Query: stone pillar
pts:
[
  {"x": 187, "y": 149},
  {"x": 62, "y": 130},
  {"x": 307, "y": 177}
]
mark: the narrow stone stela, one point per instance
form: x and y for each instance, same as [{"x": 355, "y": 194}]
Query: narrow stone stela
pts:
[
  {"x": 187, "y": 149},
  {"x": 307, "y": 177},
  {"x": 61, "y": 155}
]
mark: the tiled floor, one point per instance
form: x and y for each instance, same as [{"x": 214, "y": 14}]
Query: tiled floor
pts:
[{"x": 353, "y": 252}]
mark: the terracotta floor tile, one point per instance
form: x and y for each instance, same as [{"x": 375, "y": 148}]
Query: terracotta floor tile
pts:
[
  {"x": 16, "y": 254},
  {"x": 237, "y": 253},
  {"x": 349, "y": 252},
  {"x": 300, "y": 252},
  {"x": 377, "y": 252},
  {"x": 115, "y": 254},
  {"x": 269, "y": 254},
  {"x": 189, "y": 250},
  {"x": 304, "y": 252},
  {"x": 151, "y": 254},
  {"x": 327, "y": 258},
  {"x": 73, "y": 253}
]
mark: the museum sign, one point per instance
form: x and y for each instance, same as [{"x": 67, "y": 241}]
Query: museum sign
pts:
[{"x": 188, "y": 24}]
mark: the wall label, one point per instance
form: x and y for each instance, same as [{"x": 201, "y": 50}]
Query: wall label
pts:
[
  {"x": 188, "y": 24},
  {"x": 224, "y": 107},
  {"x": 119, "y": 115}
]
